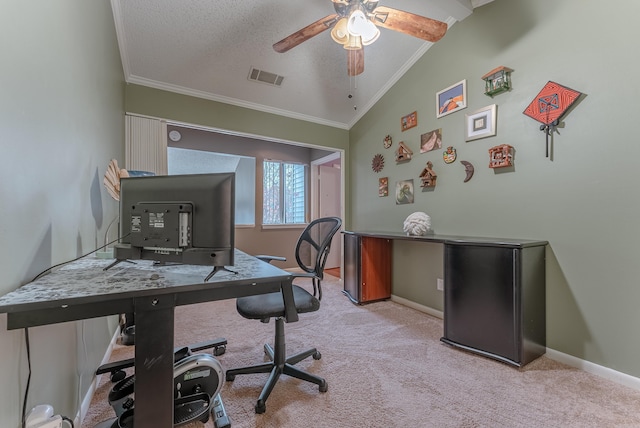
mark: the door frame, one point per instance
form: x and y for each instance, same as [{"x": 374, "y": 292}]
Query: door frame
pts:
[{"x": 315, "y": 191}]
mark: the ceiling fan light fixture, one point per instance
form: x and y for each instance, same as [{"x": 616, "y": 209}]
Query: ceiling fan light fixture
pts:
[
  {"x": 371, "y": 36},
  {"x": 339, "y": 32},
  {"x": 354, "y": 43},
  {"x": 359, "y": 25}
]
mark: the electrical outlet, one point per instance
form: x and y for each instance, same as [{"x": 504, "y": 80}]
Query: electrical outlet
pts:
[{"x": 440, "y": 284}]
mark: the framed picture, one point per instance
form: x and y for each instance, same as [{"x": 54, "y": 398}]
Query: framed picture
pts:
[
  {"x": 383, "y": 186},
  {"x": 409, "y": 121},
  {"x": 451, "y": 99},
  {"x": 431, "y": 140},
  {"x": 481, "y": 123},
  {"x": 404, "y": 192}
]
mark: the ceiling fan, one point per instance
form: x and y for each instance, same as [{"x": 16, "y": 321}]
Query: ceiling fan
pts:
[{"x": 354, "y": 26}]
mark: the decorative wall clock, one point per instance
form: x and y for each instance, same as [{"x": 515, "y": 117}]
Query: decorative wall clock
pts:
[
  {"x": 548, "y": 107},
  {"x": 377, "y": 163}
]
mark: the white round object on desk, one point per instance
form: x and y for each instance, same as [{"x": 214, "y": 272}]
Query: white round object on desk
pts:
[{"x": 417, "y": 224}]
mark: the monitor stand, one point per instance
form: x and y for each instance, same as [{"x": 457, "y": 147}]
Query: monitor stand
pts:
[
  {"x": 116, "y": 262},
  {"x": 217, "y": 269}
]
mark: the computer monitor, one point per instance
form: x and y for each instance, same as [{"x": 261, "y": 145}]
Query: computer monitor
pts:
[{"x": 187, "y": 219}]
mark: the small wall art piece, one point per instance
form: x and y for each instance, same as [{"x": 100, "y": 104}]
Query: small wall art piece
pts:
[
  {"x": 403, "y": 153},
  {"x": 481, "y": 123},
  {"x": 404, "y": 192},
  {"x": 431, "y": 140},
  {"x": 548, "y": 107},
  {"x": 377, "y": 163},
  {"x": 383, "y": 186},
  {"x": 468, "y": 169},
  {"x": 501, "y": 156},
  {"x": 497, "y": 80},
  {"x": 449, "y": 155},
  {"x": 387, "y": 142},
  {"x": 409, "y": 121},
  {"x": 451, "y": 99},
  {"x": 428, "y": 176}
]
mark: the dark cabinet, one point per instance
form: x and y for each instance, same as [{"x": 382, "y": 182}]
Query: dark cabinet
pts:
[
  {"x": 367, "y": 268},
  {"x": 494, "y": 300}
]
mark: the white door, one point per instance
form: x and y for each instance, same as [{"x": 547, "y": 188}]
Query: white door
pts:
[{"x": 329, "y": 206}]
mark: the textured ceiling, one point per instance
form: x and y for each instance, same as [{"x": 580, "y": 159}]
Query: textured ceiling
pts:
[{"x": 206, "y": 48}]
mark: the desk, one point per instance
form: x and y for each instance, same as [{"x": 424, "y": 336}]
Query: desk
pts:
[
  {"x": 82, "y": 289},
  {"x": 494, "y": 289}
]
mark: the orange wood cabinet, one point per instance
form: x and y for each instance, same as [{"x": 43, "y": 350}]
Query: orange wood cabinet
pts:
[{"x": 367, "y": 268}]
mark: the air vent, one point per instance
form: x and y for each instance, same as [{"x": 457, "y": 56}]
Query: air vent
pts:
[{"x": 265, "y": 77}]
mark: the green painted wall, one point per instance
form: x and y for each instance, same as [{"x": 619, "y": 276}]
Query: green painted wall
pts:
[
  {"x": 62, "y": 120},
  {"x": 583, "y": 199},
  {"x": 197, "y": 111}
]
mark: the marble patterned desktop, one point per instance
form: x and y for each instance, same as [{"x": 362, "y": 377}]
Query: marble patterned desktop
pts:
[{"x": 83, "y": 289}]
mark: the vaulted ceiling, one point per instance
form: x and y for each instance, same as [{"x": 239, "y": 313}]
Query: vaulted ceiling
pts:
[{"x": 207, "y": 48}]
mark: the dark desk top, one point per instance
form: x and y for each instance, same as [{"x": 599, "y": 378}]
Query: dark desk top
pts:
[
  {"x": 454, "y": 239},
  {"x": 84, "y": 283}
]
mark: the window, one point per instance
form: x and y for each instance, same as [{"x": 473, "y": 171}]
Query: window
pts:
[
  {"x": 284, "y": 193},
  {"x": 187, "y": 161}
]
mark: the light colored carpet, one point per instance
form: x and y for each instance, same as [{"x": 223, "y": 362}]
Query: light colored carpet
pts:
[{"x": 386, "y": 367}]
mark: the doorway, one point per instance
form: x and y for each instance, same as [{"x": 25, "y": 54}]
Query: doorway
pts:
[{"x": 327, "y": 199}]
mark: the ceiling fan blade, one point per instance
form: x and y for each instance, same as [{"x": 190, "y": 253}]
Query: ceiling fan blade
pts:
[
  {"x": 305, "y": 34},
  {"x": 355, "y": 62},
  {"x": 405, "y": 22}
]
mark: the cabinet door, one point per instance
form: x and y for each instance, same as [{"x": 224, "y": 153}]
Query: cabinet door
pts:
[
  {"x": 481, "y": 299},
  {"x": 375, "y": 268}
]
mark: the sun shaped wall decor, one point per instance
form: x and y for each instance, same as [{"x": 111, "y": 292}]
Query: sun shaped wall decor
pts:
[{"x": 377, "y": 163}]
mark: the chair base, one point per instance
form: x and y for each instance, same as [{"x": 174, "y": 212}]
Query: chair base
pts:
[{"x": 279, "y": 365}]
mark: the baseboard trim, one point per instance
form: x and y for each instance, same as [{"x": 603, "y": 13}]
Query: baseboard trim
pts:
[
  {"x": 86, "y": 402},
  {"x": 598, "y": 370},
  {"x": 418, "y": 307},
  {"x": 570, "y": 360}
]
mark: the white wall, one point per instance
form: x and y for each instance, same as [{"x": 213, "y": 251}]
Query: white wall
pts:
[{"x": 61, "y": 121}]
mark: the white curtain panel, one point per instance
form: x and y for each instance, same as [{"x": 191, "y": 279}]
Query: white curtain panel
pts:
[{"x": 146, "y": 144}]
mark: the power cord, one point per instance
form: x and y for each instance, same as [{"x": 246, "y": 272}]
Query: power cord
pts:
[
  {"x": 26, "y": 392},
  {"x": 44, "y": 272},
  {"x": 26, "y": 330}
]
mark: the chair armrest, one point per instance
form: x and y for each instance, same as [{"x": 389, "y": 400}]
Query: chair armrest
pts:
[
  {"x": 269, "y": 259},
  {"x": 295, "y": 275}
]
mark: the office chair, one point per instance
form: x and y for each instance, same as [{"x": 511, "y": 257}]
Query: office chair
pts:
[{"x": 311, "y": 253}]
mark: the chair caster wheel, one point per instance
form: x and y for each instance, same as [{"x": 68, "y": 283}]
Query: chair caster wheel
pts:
[
  {"x": 323, "y": 387},
  {"x": 219, "y": 350},
  {"x": 230, "y": 377},
  {"x": 261, "y": 407},
  {"x": 317, "y": 355},
  {"x": 117, "y": 376}
]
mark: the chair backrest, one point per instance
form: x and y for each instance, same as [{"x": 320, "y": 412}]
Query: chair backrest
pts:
[{"x": 314, "y": 244}]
